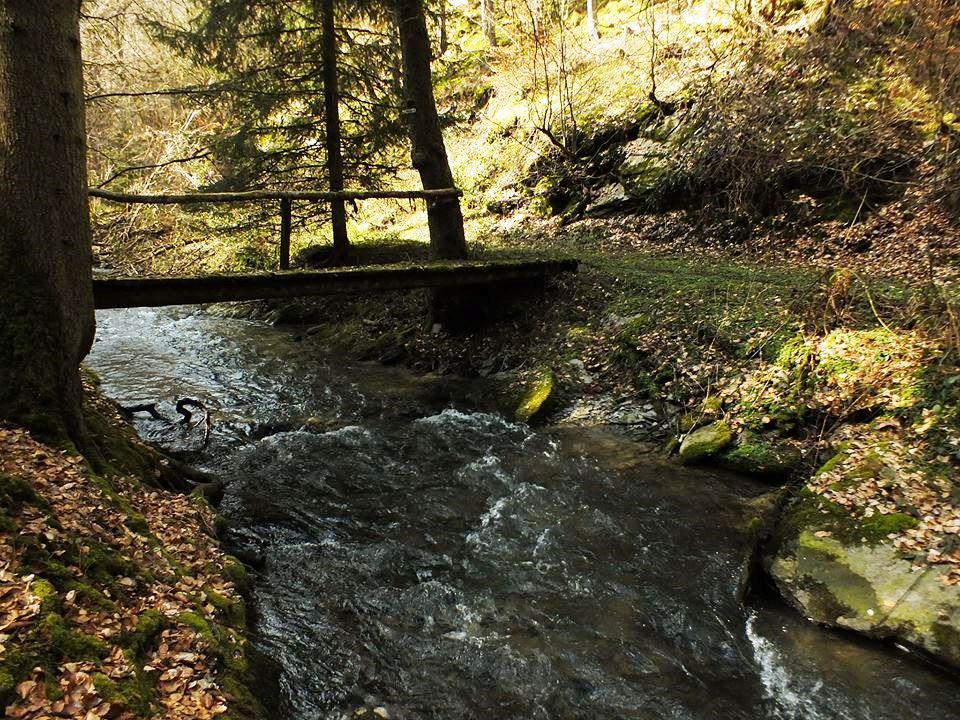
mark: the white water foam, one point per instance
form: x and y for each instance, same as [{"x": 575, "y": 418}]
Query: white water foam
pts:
[{"x": 793, "y": 700}]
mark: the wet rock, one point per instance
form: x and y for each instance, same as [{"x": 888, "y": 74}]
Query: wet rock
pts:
[
  {"x": 871, "y": 589},
  {"x": 705, "y": 442},
  {"x": 536, "y": 396}
]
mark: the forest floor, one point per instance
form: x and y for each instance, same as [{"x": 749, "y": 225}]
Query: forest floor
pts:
[{"x": 115, "y": 600}]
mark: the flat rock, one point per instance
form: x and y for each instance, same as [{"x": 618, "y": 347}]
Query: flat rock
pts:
[{"x": 871, "y": 589}]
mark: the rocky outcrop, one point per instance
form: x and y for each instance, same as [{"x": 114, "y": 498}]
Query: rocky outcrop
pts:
[{"x": 869, "y": 588}]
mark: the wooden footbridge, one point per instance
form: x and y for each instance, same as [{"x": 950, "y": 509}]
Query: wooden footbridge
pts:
[
  {"x": 122, "y": 292},
  {"x": 154, "y": 291}
]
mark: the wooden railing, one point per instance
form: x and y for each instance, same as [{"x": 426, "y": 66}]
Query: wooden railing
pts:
[{"x": 286, "y": 202}]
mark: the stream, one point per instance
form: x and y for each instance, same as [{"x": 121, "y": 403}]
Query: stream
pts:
[{"x": 424, "y": 557}]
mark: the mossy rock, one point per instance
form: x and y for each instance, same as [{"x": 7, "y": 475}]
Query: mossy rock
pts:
[
  {"x": 234, "y": 571},
  {"x": 868, "y": 588},
  {"x": 643, "y": 174},
  {"x": 705, "y": 442},
  {"x": 536, "y": 396},
  {"x": 231, "y": 611},
  {"x": 751, "y": 455}
]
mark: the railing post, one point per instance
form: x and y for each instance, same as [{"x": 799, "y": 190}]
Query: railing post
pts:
[{"x": 285, "y": 222}]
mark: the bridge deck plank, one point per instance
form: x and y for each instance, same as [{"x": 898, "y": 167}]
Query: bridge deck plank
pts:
[{"x": 124, "y": 292}]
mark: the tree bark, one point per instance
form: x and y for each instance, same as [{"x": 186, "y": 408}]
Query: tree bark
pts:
[
  {"x": 331, "y": 109},
  {"x": 444, "y": 40},
  {"x": 592, "y": 20},
  {"x": 487, "y": 22},
  {"x": 428, "y": 154},
  {"x": 46, "y": 296}
]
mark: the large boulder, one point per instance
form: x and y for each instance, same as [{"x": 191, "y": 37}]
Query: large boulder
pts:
[
  {"x": 705, "y": 442},
  {"x": 867, "y": 587}
]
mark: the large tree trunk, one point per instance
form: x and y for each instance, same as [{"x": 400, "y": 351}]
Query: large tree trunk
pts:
[
  {"x": 429, "y": 155},
  {"x": 331, "y": 108},
  {"x": 46, "y": 296}
]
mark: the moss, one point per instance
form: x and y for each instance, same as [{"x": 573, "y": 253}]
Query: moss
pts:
[
  {"x": 137, "y": 523},
  {"x": 834, "y": 461},
  {"x": 70, "y": 645},
  {"x": 536, "y": 396},
  {"x": 234, "y": 571},
  {"x": 754, "y": 526},
  {"x": 16, "y": 665},
  {"x": 15, "y": 493},
  {"x": 7, "y": 685},
  {"x": 7, "y": 524},
  {"x": 876, "y": 528},
  {"x": 103, "y": 564},
  {"x": 705, "y": 442},
  {"x": 47, "y": 593},
  {"x": 233, "y": 612},
  {"x": 712, "y": 405},
  {"x": 89, "y": 595},
  {"x": 200, "y": 626},
  {"x": 794, "y": 353},
  {"x": 810, "y": 511},
  {"x": 136, "y": 693},
  {"x": 239, "y": 674},
  {"x": 755, "y": 456},
  {"x": 149, "y": 626},
  {"x": 244, "y": 704}
]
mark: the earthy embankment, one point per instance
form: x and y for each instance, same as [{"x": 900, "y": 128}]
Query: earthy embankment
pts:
[{"x": 115, "y": 599}]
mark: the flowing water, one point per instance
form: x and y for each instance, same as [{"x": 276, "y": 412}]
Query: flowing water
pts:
[{"x": 426, "y": 558}]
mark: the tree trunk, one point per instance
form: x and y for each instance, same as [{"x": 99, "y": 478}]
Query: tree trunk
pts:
[
  {"x": 46, "y": 295},
  {"x": 592, "y": 20},
  {"x": 444, "y": 40},
  {"x": 487, "y": 22},
  {"x": 428, "y": 153},
  {"x": 331, "y": 109}
]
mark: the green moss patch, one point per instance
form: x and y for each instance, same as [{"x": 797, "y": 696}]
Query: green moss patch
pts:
[
  {"x": 753, "y": 455},
  {"x": 15, "y": 492},
  {"x": 70, "y": 645},
  {"x": 536, "y": 396}
]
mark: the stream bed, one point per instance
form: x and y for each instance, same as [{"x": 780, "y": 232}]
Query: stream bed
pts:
[{"x": 424, "y": 557}]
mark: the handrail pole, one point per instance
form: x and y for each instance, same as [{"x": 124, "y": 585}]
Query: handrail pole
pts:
[
  {"x": 286, "y": 212},
  {"x": 260, "y": 195}
]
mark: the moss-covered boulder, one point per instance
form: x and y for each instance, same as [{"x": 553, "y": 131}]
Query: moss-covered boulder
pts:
[
  {"x": 645, "y": 166},
  {"x": 864, "y": 586},
  {"x": 752, "y": 455},
  {"x": 705, "y": 442},
  {"x": 538, "y": 393}
]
